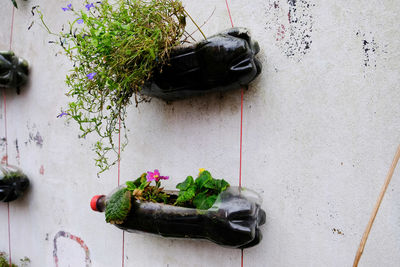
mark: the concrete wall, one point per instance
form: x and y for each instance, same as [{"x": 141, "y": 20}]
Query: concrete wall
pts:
[{"x": 320, "y": 128}]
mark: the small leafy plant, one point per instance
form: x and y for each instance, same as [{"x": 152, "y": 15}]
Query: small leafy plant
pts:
[
  {"x": 115, "y": 47},
  {"x": 200, "y": 193},
  {"x": 119, "y": 204}
]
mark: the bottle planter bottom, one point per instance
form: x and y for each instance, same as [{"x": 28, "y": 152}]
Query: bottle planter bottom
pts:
[
  {"x": 223, "y": 62},
  {"x": 13, "y": 183},
  {"x": 13, "y": 70},
  {"x": 233, "y": 221}
]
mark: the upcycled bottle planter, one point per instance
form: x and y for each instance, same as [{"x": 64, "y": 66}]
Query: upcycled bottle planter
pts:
[
  {"x": 13, "y": 183},
  {"x": 13, "y": 70},
  {"x": 223, "y": 62},
  {"x": 233, "y": 221}
]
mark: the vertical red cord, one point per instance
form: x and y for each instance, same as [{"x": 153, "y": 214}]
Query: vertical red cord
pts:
[
  {"x": 229, "y": 12},
  {"x": 119, "y": 175},
  {"x": 5, "y": 129},
  {"x": 241, "y": 125}
]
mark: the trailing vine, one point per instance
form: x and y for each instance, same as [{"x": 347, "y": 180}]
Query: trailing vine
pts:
[{"x": 115, "y": 48}]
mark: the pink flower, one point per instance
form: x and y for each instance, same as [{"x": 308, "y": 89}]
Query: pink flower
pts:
[{"x": 155, "y": 176}]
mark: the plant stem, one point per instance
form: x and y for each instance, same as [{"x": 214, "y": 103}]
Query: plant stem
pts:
[
  {"x": 197, "y": 26},
  {"x": 376, "y": 208}
]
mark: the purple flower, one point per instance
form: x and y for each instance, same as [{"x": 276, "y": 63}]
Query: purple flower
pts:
[
  {"x": 155, "y": 176},
  {"x": 88, "y": 6},
  {"x": 80, "y": 21},
  {"x": 69, "y": 7},
  {"x": 62, "y": 114},
  {"x": 91, "y": 75}
]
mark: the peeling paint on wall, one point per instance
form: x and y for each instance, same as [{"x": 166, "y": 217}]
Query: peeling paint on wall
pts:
[
  {"x": 41, "y": 170},
  {"x": 17, "y": 156},
  {"x": 34, "y": 136},
  {"x": 3, "y": 144},
  {"x": 4, "y": 159},
  {"x": 337, "y": 231},
  {"x": 88, "y": 261},
  {"x": 370, "y": 48},
  {"x": 291, "y": 22}
]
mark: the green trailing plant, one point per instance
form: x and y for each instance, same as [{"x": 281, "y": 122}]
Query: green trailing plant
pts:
[
  {"x": 115, "y": 47},
  {"x": 200, "y": 193}
]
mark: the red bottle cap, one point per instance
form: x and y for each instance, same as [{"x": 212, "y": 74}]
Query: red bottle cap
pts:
[{"x": 93, "y": 202}]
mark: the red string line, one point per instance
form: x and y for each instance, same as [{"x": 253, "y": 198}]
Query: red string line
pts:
[
  {"x": 229, "y": 12},
  {"x": 12, "y": 26},
  {"x": 241, "y": 126}
]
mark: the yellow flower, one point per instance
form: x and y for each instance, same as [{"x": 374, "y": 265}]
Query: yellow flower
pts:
[{"x": 201, "y": 170}]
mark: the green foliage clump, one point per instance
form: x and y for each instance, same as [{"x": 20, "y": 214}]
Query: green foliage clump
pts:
[
  {"x": 200, "y": 193},
  {"x": 10, "y": 174},
  {"x": 115, "y": 47},
  {"x": 118, "y": 206},
  {"x": 142, "y": 190},
  {"x": 5, "y": 263}
]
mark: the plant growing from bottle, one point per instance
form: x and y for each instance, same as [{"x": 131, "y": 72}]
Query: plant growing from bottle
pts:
[
  {"x": 200, "y": 193},
  {"x": 115, "y": 48},
  {"x": 203, "y": 208},
  {"x": 132, "y": 49}
]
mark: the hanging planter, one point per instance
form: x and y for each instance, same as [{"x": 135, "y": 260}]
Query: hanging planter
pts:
[
  {"x": 13, "y": 70},
  {"x": 222, "y": 62},
  {"x": 204, "y": 208},
  {"x": 13, "y": 183},
  {"x": 129, "y": 50}
]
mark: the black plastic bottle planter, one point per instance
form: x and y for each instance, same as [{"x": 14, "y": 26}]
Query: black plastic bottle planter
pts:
[
  {"x": 13, "y": 183},
  {"x": 225, "y": 61},
  {"x": 233, "y": 221},
  {"x": 13, "y": 70}
]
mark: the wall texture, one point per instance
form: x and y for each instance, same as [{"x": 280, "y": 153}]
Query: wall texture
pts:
[{"x": 320, "y": 128}]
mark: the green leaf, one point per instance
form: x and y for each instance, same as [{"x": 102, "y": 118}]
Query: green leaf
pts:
[
  {"x": 185, "y": 196},
  {"x": 185, "y": 184},
  {"x": 131, "y": 185},
  {"x": 203, "y": 178},
  {"x": 204, "y": 202},
  {"x": 118, "y": 206},
  {"x": 144, "y": 185},
  {"x": 221, "y": 185}
]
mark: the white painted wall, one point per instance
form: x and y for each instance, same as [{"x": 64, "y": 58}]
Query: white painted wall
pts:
[{"x": 321, "y": 125}]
